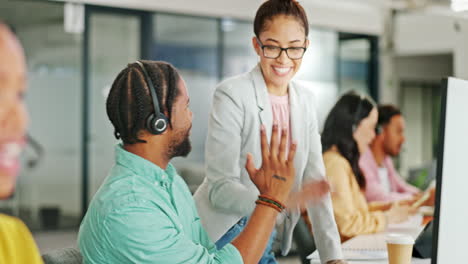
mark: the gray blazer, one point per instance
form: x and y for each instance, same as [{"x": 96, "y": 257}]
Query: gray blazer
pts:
[{"x": 240, "y": 105}]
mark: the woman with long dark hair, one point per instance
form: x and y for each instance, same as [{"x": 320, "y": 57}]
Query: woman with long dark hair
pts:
[{"x": 348, "y": 131}]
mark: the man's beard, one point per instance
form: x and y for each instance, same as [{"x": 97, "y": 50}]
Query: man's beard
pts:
[
  {"x": 180, "y": 148},
  {"x": 392, "y": 152}
]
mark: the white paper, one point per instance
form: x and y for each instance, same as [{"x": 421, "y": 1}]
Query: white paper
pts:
[{"x": 362, "y": 254}]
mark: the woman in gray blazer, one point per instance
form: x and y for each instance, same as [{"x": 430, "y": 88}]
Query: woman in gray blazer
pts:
[{"x": 240, "y": 105}]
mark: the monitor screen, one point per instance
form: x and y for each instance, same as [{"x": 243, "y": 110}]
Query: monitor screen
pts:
[{"x": 450, "y": 232}]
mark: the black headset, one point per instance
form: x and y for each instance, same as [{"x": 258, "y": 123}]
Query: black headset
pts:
[
  {"x": 378, "y": 129},
  {"x": 156, "y": 123}
]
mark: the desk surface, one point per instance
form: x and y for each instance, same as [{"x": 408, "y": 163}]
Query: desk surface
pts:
[
  {"x": 377, "y": 241},
  {"x": 385, "y": 261}
]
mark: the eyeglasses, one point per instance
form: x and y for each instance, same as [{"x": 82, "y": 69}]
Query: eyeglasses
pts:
[{"x": 273, "y": 52}]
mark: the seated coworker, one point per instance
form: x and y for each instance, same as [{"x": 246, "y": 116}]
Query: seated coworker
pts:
[
  {"x": 144, "y": 212},
  {"x": 383, "y": 184},
  {"x": 349, "y": 129},
  {"x": 16, "y": 243}
]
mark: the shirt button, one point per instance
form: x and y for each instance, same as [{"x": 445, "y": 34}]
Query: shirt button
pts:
[{"x": 163, "y": 176}]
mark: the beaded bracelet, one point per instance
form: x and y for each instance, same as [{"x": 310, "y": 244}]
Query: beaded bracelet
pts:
[
  {"x": 269, "y": 204},
  {"x": 269, "y": 199}
]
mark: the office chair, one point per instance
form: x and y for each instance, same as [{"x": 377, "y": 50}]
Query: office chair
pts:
[{"x": 63, "y": 256}]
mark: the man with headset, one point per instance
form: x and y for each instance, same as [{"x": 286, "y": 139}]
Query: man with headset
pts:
[
  {"x": 383, "y": 184},
  {"x": 144, "y": 212}
]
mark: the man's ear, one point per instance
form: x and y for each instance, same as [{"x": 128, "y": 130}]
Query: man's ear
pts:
[{"x": 169, "y": 122}]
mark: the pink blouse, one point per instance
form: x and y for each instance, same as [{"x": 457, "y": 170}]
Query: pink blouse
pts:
[{"x": 280, "y": 109}]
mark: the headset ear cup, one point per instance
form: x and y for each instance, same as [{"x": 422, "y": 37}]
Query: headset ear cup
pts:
[
  {"x": 149, "y": 123},
  {"x": 378, "y": 130},
  {"x": 156, "y": 125},
  {"x": 160, "y": 124}
]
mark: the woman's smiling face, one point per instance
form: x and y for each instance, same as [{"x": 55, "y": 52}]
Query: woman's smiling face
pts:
[
  {"x": 13, "y": 115},
  {"x": 285, "y": 32}
]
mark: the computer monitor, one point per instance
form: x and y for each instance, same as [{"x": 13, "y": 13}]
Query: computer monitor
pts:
[{"x": 450, "y": 232}]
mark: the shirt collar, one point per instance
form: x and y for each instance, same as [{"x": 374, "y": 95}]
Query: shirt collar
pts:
[
  {"x": 143, "y": 167},
  {"x": 261, "y": 91}
]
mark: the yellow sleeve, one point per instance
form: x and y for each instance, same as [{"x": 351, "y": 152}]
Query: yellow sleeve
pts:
[
  {"x": 351, "y": 218},
  {"x": 16, "y": 242},
  {"x": 379, "y": 206}
]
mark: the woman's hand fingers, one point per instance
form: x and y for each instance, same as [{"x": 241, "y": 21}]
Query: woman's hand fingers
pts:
[
  {"x": 274, "y": 144},
  {"x": 250, "y": 166},
  {"x": 264, "y": 146},
  {"x": 292, "y": 153},
  {"x": 282, "y": 146}
]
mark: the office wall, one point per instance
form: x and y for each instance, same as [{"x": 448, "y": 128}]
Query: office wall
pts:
[
  {"x": 428, "y": 44},
  {"x": 424, "y": 33},
  {"x": 355, "y": 16},
  {"x": 424, "y": 67},
  {"x": 417, "y": 105},
  {"x": 318, "y": 70},
  {"x": 114, "y": 42},
  {"x": 190, "y": 44},
  {"x": 433, "y": 31},
  {"x": 461, "y": 50},
  {"x": 55, "y": 107},
  {"x": 418, "y": 80}
]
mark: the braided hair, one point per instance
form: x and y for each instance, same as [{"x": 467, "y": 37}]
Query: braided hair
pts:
[{"x": 129, "y": 102}]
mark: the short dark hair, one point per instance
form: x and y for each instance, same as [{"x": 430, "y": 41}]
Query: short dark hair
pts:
[
  {"x": 386, "y": 112},
  {"x": 339, "y": 127},
  {"x": 129, "y": 102},
  {"x": 8, "y": 26},
  {"x": 272, "y": 8}
]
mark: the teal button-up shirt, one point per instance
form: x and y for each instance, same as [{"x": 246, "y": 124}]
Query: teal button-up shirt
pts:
[{"x": 144, "y": 214}]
